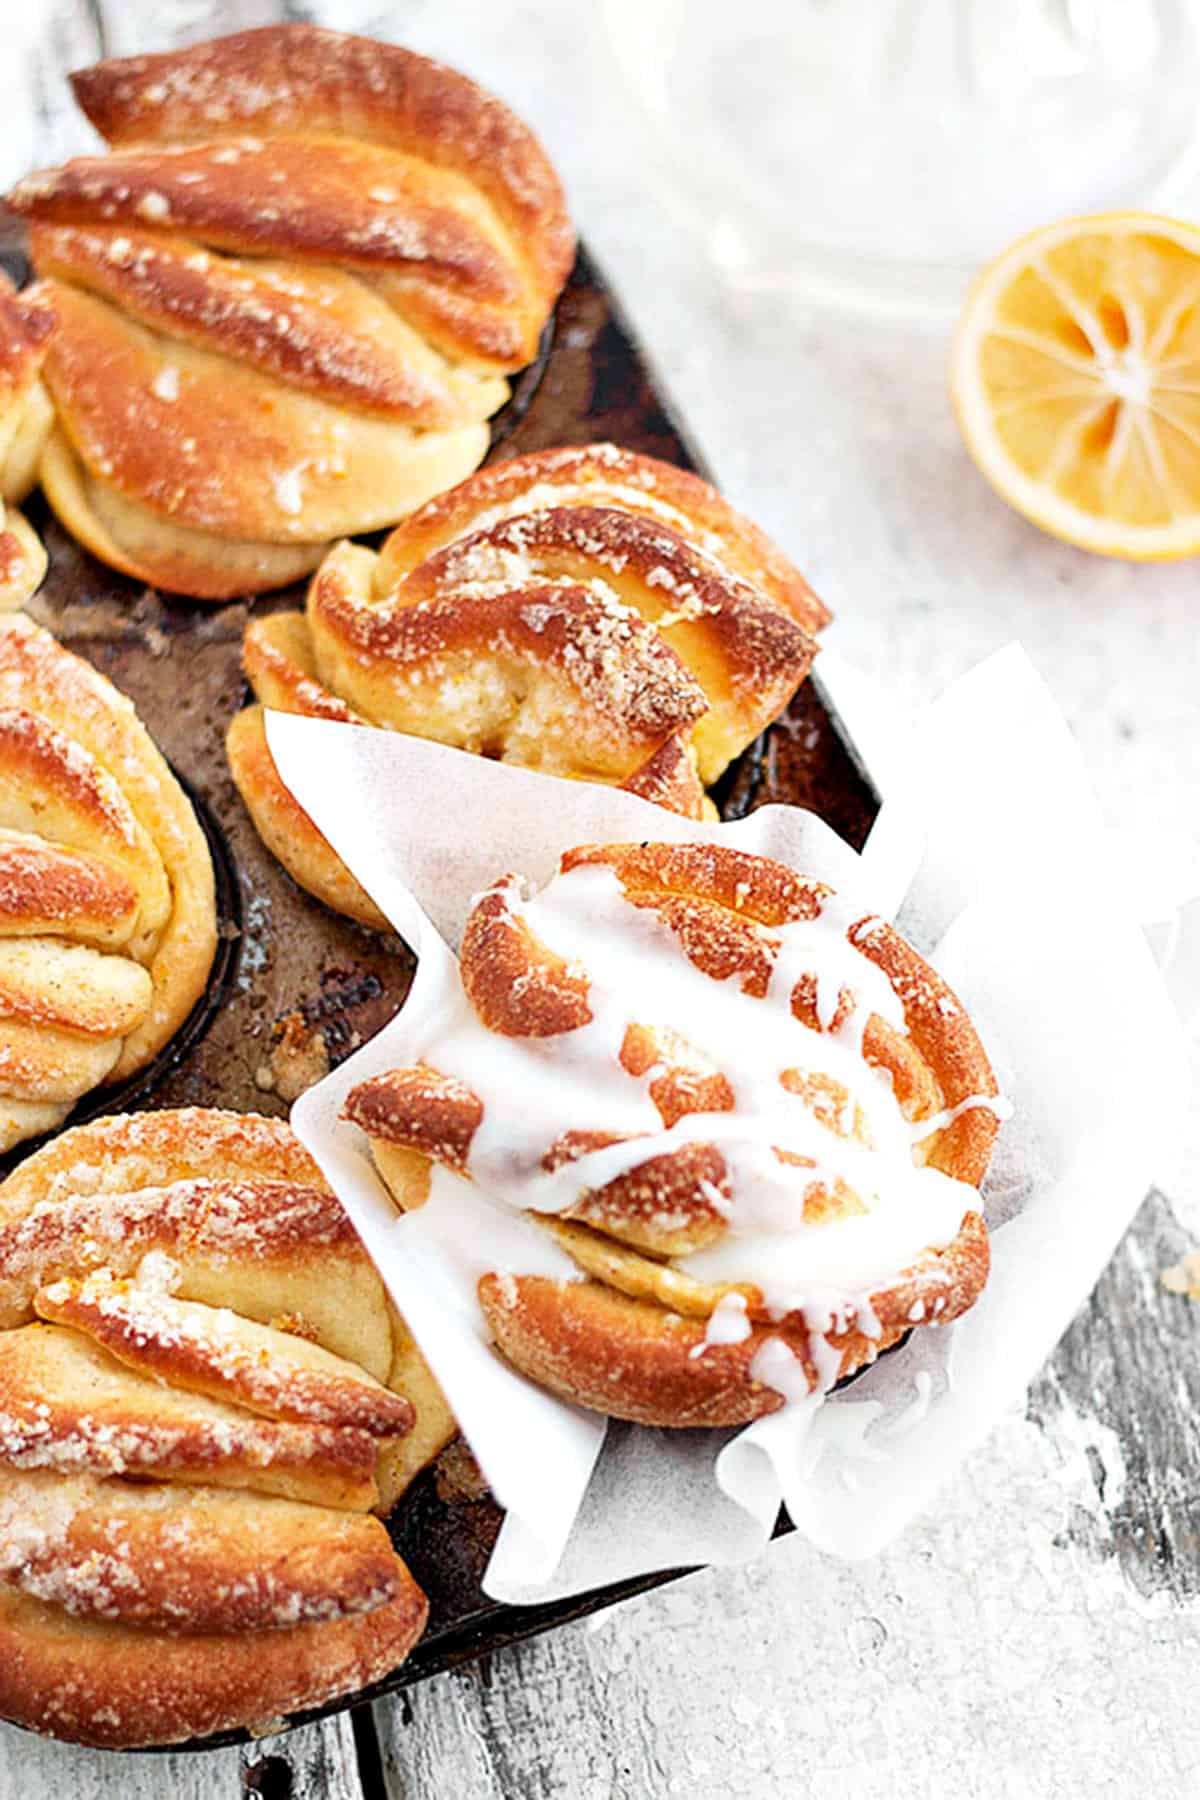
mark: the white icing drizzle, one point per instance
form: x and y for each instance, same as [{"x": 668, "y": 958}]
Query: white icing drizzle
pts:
[
  {"x": 996, "y": 1104},
  {"x": 778, "y": 1367},
  {"x": 535, "y": 1090},
  {"x": 727, "y": 1324}
]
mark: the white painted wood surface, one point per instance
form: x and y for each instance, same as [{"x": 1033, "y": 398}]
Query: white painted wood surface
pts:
[{"x": 1037, "y": 1636}]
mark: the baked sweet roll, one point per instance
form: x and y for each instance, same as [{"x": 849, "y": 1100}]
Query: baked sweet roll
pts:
[
  {"x": 25, "y": 414},
  {"x": 205, "y": 1400},
  {"x": 107, "y": 910},
  {"x": 288, "y": 299},
  {"x": 585, "y": 612},
  {"x": 752, "y": 1120}
]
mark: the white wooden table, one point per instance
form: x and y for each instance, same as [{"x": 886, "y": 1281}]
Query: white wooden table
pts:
[{"x": 1038, "y": 1634}]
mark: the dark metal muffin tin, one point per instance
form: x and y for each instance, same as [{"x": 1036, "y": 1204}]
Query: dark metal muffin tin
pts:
[{"x": 284, "y": 958}]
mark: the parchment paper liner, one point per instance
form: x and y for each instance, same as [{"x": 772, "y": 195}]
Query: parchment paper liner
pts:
[{"x": 990, "y": 854}]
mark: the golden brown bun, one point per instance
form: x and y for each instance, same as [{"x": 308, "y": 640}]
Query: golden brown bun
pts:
[
  {"x": 107, "y": 909},
  {"x": 92, "y": 1681},
  {"x": 25, "y": 413},
  {"x": 284, "y": 826},
  {"x": 524, "y": 545},
  {"x": 204, "y": 1390},
  {"x": 604, "y": 475},
  {"x": 631, "y": 1336},
  {"x": 250, "y": 1225},
  {"x": 22, "y": 558},
  {"x": 589, "y": 613},
  {"x": 639, "y": 1359},
  {"x": 94, "y": 1545},
  {"x": 287, "y": 79},
  {"x": 66, "y": 1404},
  {"x": 312, "y": 259}
]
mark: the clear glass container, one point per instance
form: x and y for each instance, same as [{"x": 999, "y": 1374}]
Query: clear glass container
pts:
[{"x": 876, "y": 151}]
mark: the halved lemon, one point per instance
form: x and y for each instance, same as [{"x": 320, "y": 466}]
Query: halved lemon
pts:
[{"x": 1076, "y": 378}]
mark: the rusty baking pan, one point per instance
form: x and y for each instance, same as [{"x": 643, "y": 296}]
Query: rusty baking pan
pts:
[{"x": 296, "y": 988}]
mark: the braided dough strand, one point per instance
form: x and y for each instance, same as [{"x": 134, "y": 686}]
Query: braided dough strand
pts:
[
  {"x": 205, "y": 1394},
  {"x": 754, "y": 1121},
  {"x": 588, "y": 613},
  {"x": 287, "y": 299},
  {"x": 107, "y": 907}
]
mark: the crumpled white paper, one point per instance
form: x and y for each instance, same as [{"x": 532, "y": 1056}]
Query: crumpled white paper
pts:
[{"x": 992, "y": 857}]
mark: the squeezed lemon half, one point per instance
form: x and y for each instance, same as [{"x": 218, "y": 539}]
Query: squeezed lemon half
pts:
[{"x": 1075, "y": 375}]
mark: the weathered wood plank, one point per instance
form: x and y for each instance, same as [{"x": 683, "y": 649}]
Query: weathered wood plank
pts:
[
  {"x": 315, "y": 1763},
  {"x": 1036, "y": 1636},
  {"x": 318, "y": 1762},
  {"x": 1000, "y": 1649},
  {"x": 1129, "y": 1364}
]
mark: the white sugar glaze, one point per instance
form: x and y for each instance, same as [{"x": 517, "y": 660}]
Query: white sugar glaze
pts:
[
  {"x": 727, "y": 1323},
  {"x": 535, "y": 1090},
  {"x": 776, "y": 1365}
]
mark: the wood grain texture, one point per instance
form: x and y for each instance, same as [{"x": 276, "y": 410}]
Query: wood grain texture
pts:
[
  {"x": 1038, "y": 1635},
  {"x": 40, "y": 43},
  {"x": 1128, "y": 1365},
  {"x": 318, "y": 1762},
  {"x": 1000, "y": 1650}
]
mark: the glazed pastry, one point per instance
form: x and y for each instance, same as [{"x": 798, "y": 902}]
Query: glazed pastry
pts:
[
  {"x": 204, "y": 1396},
  {"x": 107, "y": 911},
  {"x": 752, "y": 1121},
  {"x": 589, "y": 613},
  {"x": 287, "y": 300},
  {"x": 25, "y": 413}
]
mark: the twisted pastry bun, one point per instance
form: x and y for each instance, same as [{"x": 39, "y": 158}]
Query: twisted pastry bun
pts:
[
  {"x": 107, "y": 909},
  {"x": 754, "y": 1120},
  {"x": 586, "y": 612},
  {"x": 287, "y": 300},
  {"x": 204, "y": 1392},
  {"x": 25, "y": 414}
]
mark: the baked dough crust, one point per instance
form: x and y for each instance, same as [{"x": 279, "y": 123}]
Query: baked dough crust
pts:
[
  {"x": 25, "y": 413},
  {"x": 587, "y": 612},
  {"x": 204, "y": 1394},
  {"x": 107, "y": 907},
  {"x": 632, "y": 1335},
  {"x": 94, "y": 1682},
  {"x": 287, "y": 299}
]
